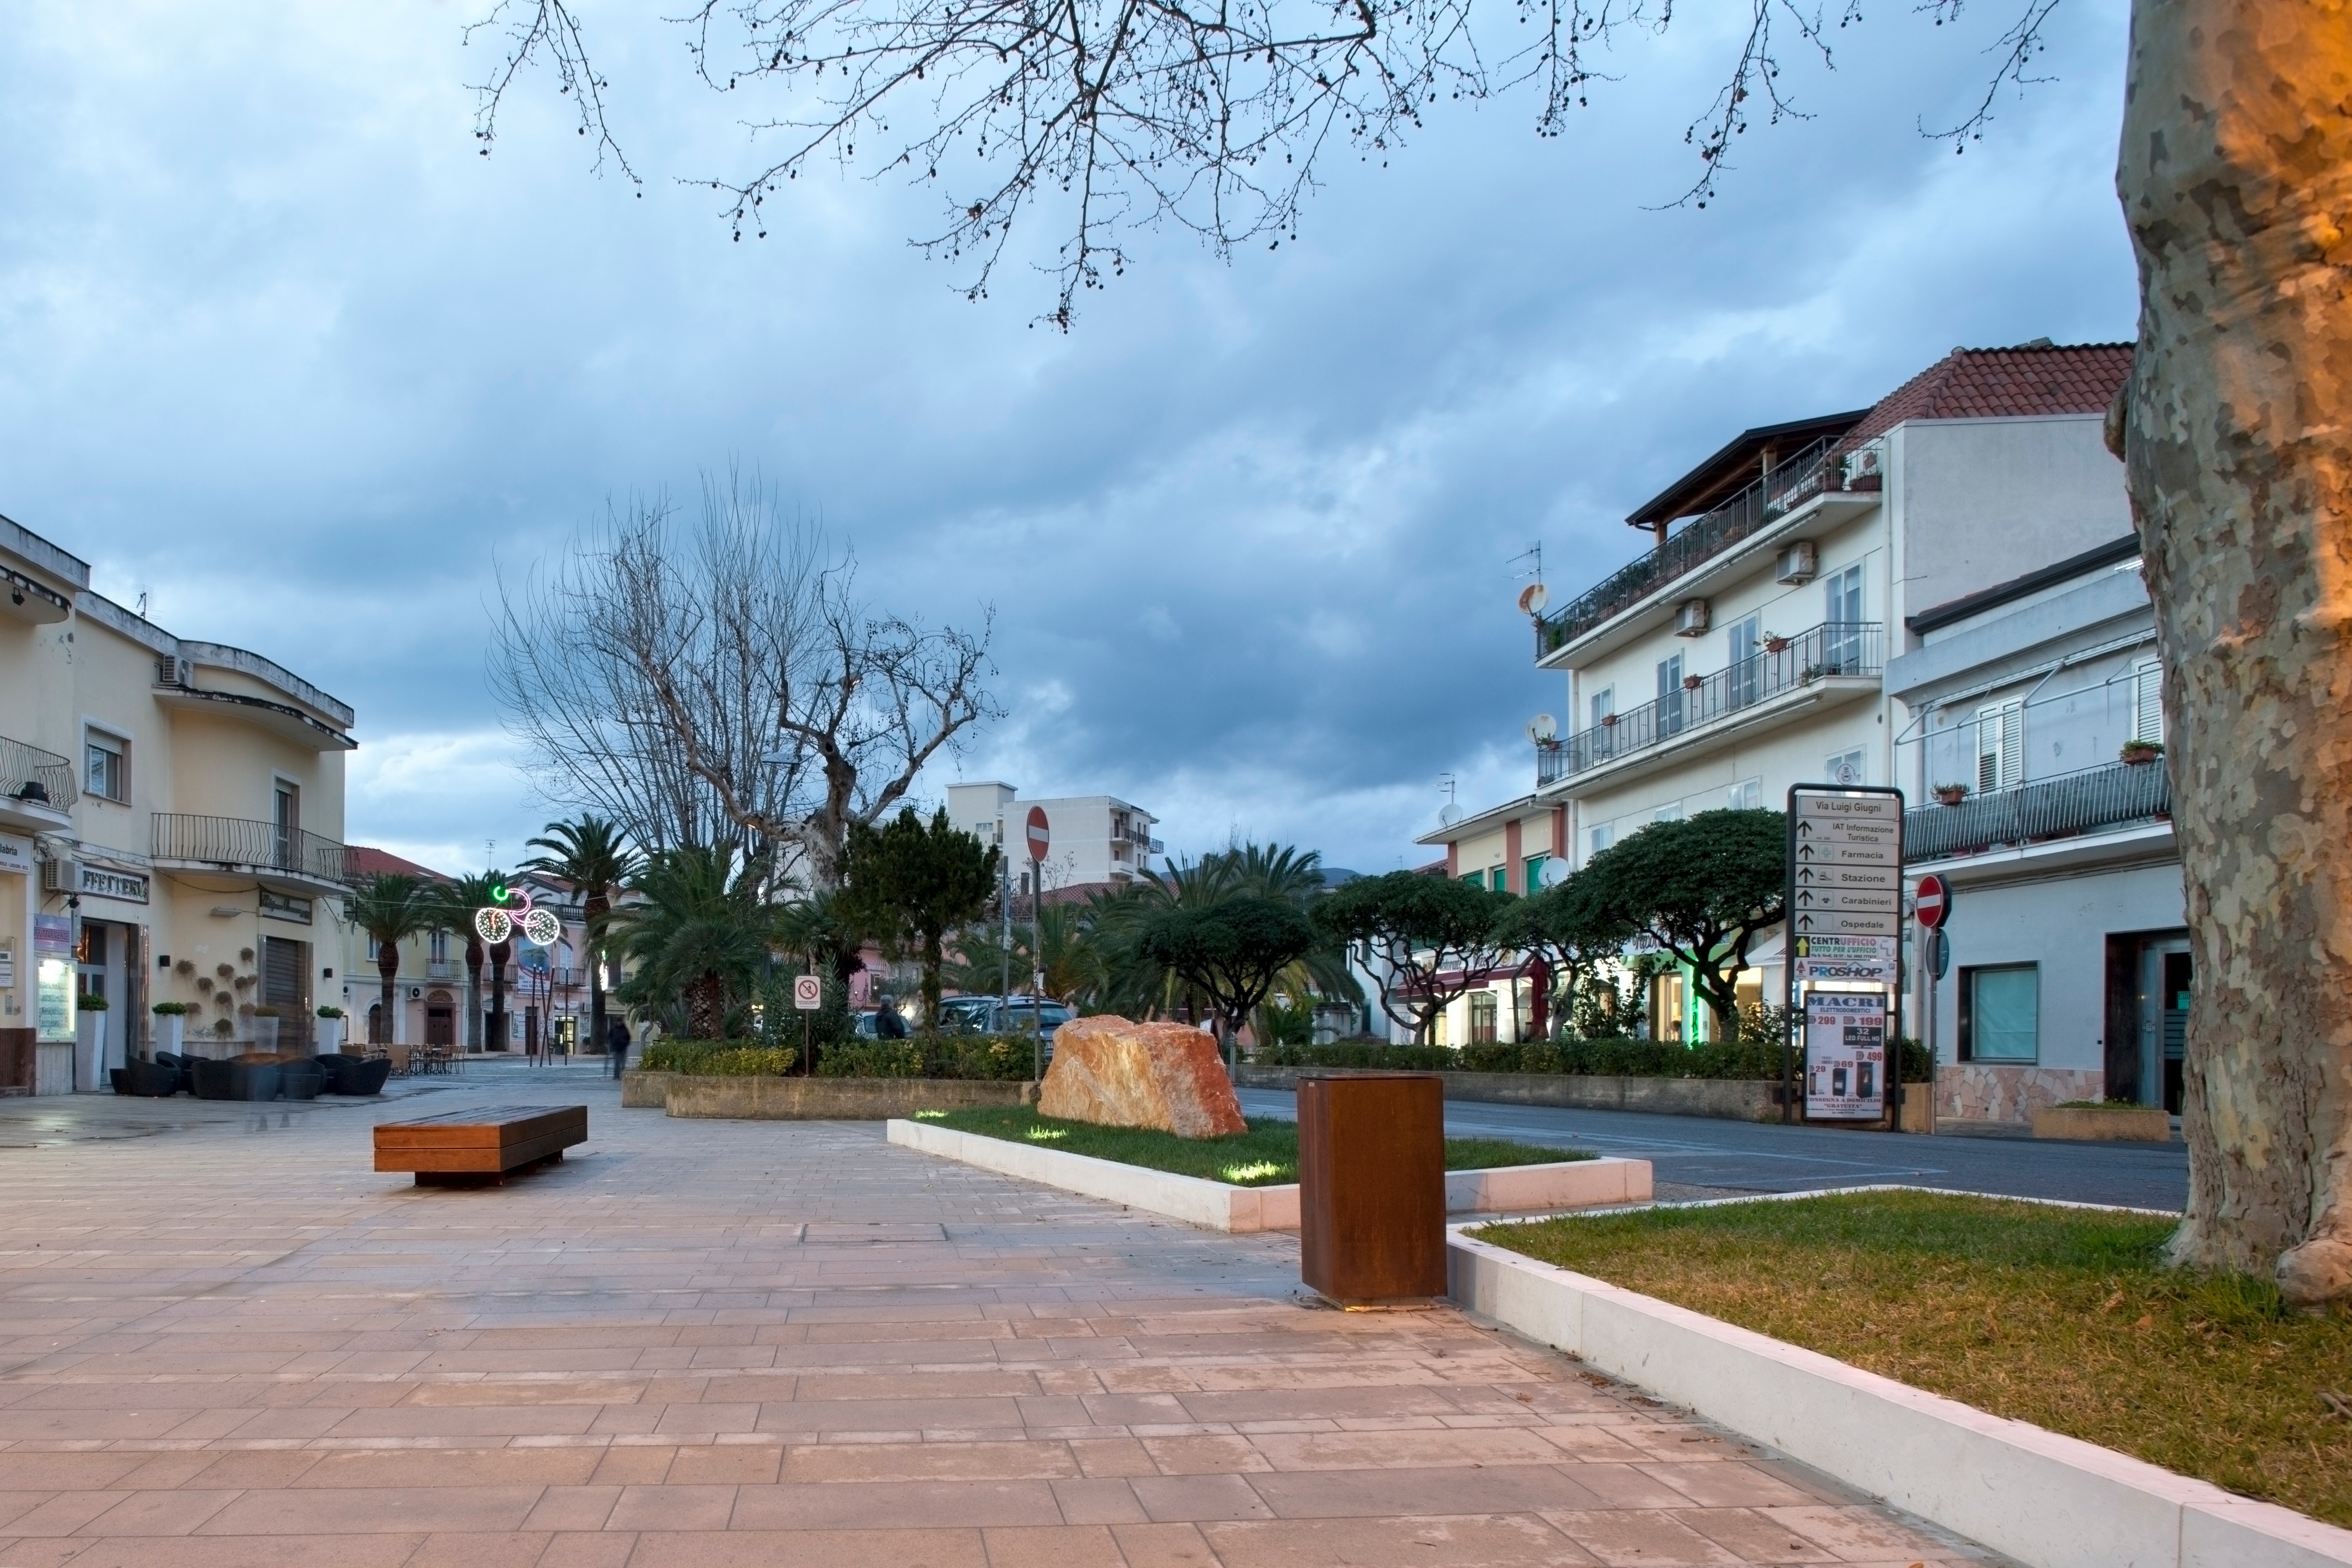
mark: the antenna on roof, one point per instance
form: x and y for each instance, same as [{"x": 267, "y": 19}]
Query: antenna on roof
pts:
[{"x": 1449, "y": 813}]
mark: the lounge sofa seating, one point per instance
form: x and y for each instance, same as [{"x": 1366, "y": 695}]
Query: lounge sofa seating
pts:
[
  {"x": 152, "y": 1080},
  {"x": 236, "y": 1080}
]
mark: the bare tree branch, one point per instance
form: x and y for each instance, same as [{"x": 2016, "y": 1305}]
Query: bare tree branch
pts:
[
  {"x": 2017, "y": 47},
  {"x": 1208, "y": 115},
  {"x": 532, "y": 29}
]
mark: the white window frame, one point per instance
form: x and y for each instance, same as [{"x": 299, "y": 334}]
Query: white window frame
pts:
[{"x": 118, "y": 743}]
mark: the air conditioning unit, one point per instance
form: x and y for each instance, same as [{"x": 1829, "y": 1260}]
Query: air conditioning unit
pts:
[
  {"x": 1799, "y": 563},
  {"x": 171, "y": 671},
  {"x": 1690, "y": 617},
  {"x": 60, "y": 876}
]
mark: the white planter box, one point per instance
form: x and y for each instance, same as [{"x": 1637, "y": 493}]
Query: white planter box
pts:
[
  {"x": 53, "y": 1067},
  {"x": 169, "y": 1029},
  {"x": 89, "y": 1051},
  {"x": 2047, "y": 1501},
  {"x": 1577, "y": 1183},
  {"x": 330, "y": 1037}
]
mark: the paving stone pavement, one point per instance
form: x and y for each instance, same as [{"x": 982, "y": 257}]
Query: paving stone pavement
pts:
[{"x": 704, "y": 1343}]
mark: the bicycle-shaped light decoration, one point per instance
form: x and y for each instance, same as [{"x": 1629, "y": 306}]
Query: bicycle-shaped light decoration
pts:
[{"x": 494, "y": 923}]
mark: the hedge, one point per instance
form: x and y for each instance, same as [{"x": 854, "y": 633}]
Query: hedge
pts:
[
  {"x": 1747, "y": 1060},
  {"x": 1001, "y": 1057}
]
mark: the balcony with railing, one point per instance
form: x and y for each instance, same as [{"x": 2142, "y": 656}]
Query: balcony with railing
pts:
[
  {"x": 238, "y": 845},
  {"x": 2065, "y": 806},
  {"x": 36, "y": 787},
  {"x": 1754, "y": 688},
  {"x": 1769, "y": 498}
]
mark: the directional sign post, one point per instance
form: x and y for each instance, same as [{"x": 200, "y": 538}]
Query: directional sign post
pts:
[
  {"x": 1844, "y": 938},
  {"x": 1041, "y": 839}
]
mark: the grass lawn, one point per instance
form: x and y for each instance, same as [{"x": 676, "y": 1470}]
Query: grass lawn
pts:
[
  {"x": 1264, "y": 1156},
  {"x": 2060, "y": 1317}
]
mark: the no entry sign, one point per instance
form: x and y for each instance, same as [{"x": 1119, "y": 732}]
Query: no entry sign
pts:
[
  {"x": 1041, "y": 837},
  {"x": 1934, "y": 902}
]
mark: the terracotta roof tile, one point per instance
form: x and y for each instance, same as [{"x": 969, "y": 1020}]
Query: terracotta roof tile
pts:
[
  {"x": 1993, "y": 383},
  {"x": 367, "y": 862}
]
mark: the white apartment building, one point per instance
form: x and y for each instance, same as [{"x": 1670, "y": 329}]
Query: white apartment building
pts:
[
  {"x": 2035, "y": 710},
  {"x": 1096, "y": 840},
  {"x": 170, "y": 825},
  {"x": 1746, "y": 650}
]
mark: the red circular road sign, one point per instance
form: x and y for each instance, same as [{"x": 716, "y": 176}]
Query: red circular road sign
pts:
[
  {"x": 1935, "y": 902},
  {"x": 1040, "y": 837}
]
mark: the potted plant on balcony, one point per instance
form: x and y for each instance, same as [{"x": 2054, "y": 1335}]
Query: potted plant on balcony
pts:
[
  {"x": 330, "y": 1031},
  {"x": 170, "y": 1021},
  {"x": 2136, "y": 753},
  {"x": 1693, "y": 682},
  {"x": 1834, "y": 471},
  {"x": 1775, "y": 643},
  {"x": 1951, "y": 793}
]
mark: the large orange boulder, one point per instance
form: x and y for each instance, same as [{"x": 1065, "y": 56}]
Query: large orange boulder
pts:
[{"x": 1121, "y": 1074}]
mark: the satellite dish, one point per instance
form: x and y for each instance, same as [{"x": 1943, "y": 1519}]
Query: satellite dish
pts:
[
  {"x": 1448, "y": 814},
  {"x": 1533, "y": 598},
  {"x": 1554, "y": 872},
  {"x": 1542, "y": 729}
]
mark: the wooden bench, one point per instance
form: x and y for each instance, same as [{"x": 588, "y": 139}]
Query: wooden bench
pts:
[{"x": 464, "y": 1148}]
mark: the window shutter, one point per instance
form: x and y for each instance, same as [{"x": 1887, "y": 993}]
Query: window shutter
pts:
[
  {"x": 2000, "y": 746},
  {"x": 2147, "y": 701}
]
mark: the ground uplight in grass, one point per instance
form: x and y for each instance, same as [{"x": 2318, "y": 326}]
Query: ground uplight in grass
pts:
[
  {"x": 930, "y": 1116},
  {"x": 2067, "y": 1317},
  {"x": 1266, "y": 1155}
]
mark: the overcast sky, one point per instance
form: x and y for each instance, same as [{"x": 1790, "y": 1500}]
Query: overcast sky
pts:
[{"x": 283, "y": 353}]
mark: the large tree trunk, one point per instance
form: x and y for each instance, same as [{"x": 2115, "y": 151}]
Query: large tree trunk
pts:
[{"x": 2236, "y": 178}]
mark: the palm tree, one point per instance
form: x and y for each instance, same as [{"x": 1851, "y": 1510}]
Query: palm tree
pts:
[
  {"x": 699, "y": 930},
  {"x": 592, "y": 856},
  {"x": 458, "y": 900},
  {"x": 391, "y": 907}
]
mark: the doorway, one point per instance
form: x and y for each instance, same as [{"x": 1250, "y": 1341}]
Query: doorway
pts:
[
  {"x": 440, "y": 1019},
  {"x": 107, "y": 969},
  {"x": 286, "y": 985},
  {"x": 2149, "y": 978}
]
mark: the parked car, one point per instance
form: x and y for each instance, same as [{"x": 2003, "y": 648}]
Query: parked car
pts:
[{"x": 1002, "y": 1016}]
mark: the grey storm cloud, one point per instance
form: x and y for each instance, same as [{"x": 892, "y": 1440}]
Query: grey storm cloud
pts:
[{"x": 286, "y": 354}]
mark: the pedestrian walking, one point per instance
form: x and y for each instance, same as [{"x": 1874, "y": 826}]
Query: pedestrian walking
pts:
[
  {"x": 617, "y": 1045},
  {"x": 889, "y": 1024}
]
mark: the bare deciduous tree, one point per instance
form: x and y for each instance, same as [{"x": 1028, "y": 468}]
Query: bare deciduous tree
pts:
[{"x": 723, "y": 682}]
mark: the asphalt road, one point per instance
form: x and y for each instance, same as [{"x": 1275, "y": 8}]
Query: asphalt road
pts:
[{"x": 1690, "y": 1152}]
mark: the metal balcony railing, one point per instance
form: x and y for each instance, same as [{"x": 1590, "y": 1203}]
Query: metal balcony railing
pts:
[
  {"x": 1832, "y": 649},
  {"x": 2113, "y": 794},
  {"x": 237, "y": 844},
  {"x": 1762, "y": 503},
  {"x": 29, "y": 773}
]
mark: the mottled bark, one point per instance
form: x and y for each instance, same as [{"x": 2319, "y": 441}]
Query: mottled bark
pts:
[{"x": 2236, "y": 178}]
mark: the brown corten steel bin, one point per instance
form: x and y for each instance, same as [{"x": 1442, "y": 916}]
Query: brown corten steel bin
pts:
[{"x": 1371, "y": 1186}]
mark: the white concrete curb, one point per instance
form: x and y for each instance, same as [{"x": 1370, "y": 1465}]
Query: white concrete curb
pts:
[
  {"x": 2048, "y": 1500},
  {"x": 1517, "y": 1189}
]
